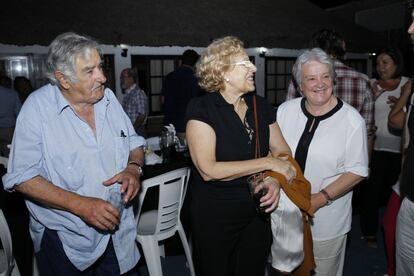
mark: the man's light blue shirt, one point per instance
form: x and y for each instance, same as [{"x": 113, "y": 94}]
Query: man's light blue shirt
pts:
[{"x": 53, "y": 142}]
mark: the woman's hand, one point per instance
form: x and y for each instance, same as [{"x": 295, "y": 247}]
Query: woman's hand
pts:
[
  {"x": 396, "y": 117},
  {"x": 376, "y": 88},
  {"x": 317, "y": 201},
  {"x": 271, "y": 199},
  {"x": 391, "y": 101},
  {"x": 281, "y": 165}
]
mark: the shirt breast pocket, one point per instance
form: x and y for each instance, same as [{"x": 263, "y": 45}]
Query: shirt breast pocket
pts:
[
  {"x": 121, "y": 152},
  {"x": 70, "y": 171}
]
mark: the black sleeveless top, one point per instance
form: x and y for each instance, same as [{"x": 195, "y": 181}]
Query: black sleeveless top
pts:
[{"x": 233, "y": 141}]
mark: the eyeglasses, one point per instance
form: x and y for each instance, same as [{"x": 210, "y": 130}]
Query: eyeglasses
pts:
[{"x": 245, "y": 63}]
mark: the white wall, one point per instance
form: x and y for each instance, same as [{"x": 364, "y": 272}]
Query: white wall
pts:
[{"x": 124, "y": 62}]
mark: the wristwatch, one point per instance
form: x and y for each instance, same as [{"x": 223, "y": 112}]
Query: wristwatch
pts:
[
  {"x": 139, "y": 167},
  {"x": 329, "y": 200}
]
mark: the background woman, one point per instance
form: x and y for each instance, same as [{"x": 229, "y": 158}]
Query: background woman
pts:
[
  {"x": 329, "y": 140},
  {"x": 396, "y": 120},
  {"x": 229, "y": 238},
  {"x": 386, "y": 157}
]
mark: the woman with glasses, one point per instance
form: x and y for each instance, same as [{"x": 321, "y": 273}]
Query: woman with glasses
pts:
[{"x": 229, "y": 236}]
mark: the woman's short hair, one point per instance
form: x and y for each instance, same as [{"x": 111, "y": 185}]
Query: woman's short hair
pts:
[
  {"x": 396, "y": 57},
  {"x": 63, "y": 51},
  {"x": 215, "y": 60},
  {"x": 315, "y": 54}
]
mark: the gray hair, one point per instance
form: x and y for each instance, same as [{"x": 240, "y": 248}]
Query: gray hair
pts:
[
  {"x": 315, "y": 54},
  {"x": 131, "y": 72},
  {"x": 64, "y": 50}
]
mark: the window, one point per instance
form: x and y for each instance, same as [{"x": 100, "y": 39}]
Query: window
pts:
[
  {"x": 33, "y": 67},
  {"x": 278, "y": 73},
  {"x": 38, "y": 72},
  {"x": 30, "y": 66},
  {"x": 151, "y": 73},
  {"x": 152, "y": 70}
]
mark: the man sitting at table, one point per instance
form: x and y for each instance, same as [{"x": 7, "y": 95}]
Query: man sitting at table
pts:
[{"x": 72, "y": 141}]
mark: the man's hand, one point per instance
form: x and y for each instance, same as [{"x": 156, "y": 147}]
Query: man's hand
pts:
[
  {"x": 130, "y": 180},
  {"x": 98, "y": 213}
]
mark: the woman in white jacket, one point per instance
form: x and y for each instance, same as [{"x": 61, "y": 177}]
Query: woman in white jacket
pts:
[{"x": 329, "y": 141}]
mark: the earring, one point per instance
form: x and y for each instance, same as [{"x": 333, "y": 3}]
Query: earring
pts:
[{"x": 227, "y": 79}]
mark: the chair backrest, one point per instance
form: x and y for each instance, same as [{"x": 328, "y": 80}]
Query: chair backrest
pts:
[
  {"x": 172, "y": 187},
  {"x": 4, "y": 161},
  {"x": 6, "y": 241}
]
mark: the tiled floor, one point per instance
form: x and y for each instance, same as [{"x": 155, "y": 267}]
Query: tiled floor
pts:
[{"x": 360, "y": 260}]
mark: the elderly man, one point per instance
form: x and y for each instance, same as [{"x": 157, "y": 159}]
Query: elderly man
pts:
[
  {"x": 135, "y": 102},
  {"x": 72, "y": 142}
]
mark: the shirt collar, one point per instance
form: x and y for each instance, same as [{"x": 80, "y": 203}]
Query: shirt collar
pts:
[
  {"x": 331, "y": 112},
  {"x": 129, "y": 89},
  {"x": 62, "y": 102}
]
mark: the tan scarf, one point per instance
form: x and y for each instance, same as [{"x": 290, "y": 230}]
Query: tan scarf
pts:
[{"x": 299, "y": 192}]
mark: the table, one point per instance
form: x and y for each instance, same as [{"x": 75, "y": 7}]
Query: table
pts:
[{"x": 178, "y": 160}]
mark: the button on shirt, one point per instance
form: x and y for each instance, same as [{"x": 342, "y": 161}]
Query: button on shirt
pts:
[{"x": 52, "y": 141}]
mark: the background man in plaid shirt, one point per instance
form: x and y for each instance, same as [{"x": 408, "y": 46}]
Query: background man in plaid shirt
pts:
[
  {"x": 351, "y": 86},
  {"x": 135, "y": 102}
]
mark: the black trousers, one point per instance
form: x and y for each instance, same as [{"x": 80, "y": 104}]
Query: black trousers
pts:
[
  {"x": 375, "y": 192},
  {"x": 229, "y": 238}
]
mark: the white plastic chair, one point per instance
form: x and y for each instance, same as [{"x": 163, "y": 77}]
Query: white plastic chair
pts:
[
  {"x": 7, "y": 262},
  {"x": 4, "y": 161},
  {"x": 157, "y": 225}
]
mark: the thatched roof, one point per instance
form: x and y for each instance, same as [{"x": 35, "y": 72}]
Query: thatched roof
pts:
[{"x": 268, "y": 23}]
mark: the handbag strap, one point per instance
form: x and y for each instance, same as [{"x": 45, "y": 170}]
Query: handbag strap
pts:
[{"x": 256, "y": 125}]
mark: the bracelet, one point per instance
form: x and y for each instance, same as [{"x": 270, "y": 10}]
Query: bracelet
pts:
[
  {"x": 140, "y": 171},
  {"x": 329, "y": 200}
]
